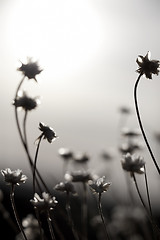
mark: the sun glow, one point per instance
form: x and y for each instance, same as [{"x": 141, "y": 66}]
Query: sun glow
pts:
[{"x": 63, "y": 35}]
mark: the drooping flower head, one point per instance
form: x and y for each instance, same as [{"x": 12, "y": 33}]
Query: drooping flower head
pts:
[
  {"x": 67, "y": 187},
  {"x": 47, "y": 132},
  {"x": 30, "y": 70},
  {"x": 45, "y": 203},
  {"x": 133, "y": 164},
  {"x": 13, "y": 177},
  {"x": 25, "y": 102},
  {"x": 147, "y": 66},
  {"x": 99, "y": 186}
]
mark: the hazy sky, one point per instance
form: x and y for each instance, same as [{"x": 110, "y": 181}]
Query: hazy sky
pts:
[{"x": 87, "y": 49}]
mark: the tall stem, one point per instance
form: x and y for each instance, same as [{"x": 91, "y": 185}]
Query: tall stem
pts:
[
  {"x": 102, "y": 217},
  {"x": 35, "y": 163},
  {"x": 147, "y": 189},
  {"x": 50, "y": 226},
  {"x": 141, "y": 126},
  {"x": 39, "y": 223},
  {"x": 15, "y": 212},
  {"x": 84, "y": 212}
]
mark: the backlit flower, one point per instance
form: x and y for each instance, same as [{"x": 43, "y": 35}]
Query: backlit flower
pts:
[
  {"x": 45, "y": 203},
  {"x": 13, "y": 177},
  {"x": 133, "y": 164},
  {"x": 47, "y": 132},
  {"x": 99, "y": 186},
  {"x": 30, "y": 70},
  {"x": 147, "y": 66},
  {"x": 25, "y": 102},
  {"x": 65, "y": 187}
]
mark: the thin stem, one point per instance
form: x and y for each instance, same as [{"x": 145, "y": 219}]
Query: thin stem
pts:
[
  {"x": 39, "y": 223},
  {"x": 15, "y": 212},
  {"x": 35, "y": 163},
  {"x": 102, "y": 217},
  {"x": 154, "y": 225},
  {"x": 84, "y": 212},
  {"x": 147, "y": 189},
  {"x": 68, "y": 209},
  {"x": 50, "y": 226},
  {"x": 141, "y": 126}
]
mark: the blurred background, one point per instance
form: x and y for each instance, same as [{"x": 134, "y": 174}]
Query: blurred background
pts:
[{"x": 87, "y": 50}]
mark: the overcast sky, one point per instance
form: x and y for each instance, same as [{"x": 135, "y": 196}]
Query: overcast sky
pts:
[{"x": 88, "y": 51}]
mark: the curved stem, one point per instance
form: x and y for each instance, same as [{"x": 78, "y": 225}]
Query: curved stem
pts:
[
  {"x": 102, "y": 217},
  {"x": 35, "y": 162},
  {"x": 15, "y": 212},
  {"x": 141, "y": 126},
  {"x": 50, "y": 226}
]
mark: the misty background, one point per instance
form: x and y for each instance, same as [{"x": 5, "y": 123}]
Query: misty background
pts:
[{"x": 87, "y": 50}]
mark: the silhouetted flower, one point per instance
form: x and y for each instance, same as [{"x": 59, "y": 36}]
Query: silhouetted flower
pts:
[
  {"x": 65, "y": 187},
  {"x": 45, "y": 203},
  {"x": 147, "y": 66},
  {"x": 13, "y": 177},
  {"x": 133, "y": 164},
  {"x": 25, "y": 102},
  {"x": 30, "y": 70},
  {"x": 79, "y": 176},
  {"x": 65, "y": 153},
  {"x": 48, "y": 132},
  {"x": 99, "y": 186}
]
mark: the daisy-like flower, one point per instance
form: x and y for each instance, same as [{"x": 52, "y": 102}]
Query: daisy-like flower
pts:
[
  {"x": 25, "y": 102},
  {"x": 133, "y": 164},
  {"x": 65, "y": 153},
  {"x": 30, "y": 70},
  {"x": 99, "y": 186},
  {"x": 147, "y": 66},
  {"x": 47, "y": 132},
  {"x": 45, "y": 203},
  {"x": 65, "y": 187},
  {"x": 79, "y": 176},
  {"x": 13, "y": 177}
]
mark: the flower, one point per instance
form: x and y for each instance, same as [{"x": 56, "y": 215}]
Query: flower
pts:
[
  {"x": 130, "y": 133},
  {"x": 13, "y": 177},
  {"x": 99, "y": 186},
  {"x": 65, "y": 187},
  {"x": 65, "y": 153},
  {"x": 147, "y": 66},
  {"x": 78, "y": 176},
  {"x": 45, "y": 203},
  {"x": 81, "y": 158},
  {"x": 125, "y": 110},
  {"x": 130, "y": 147},
  {"x": 25, "y": 102},
  {"x": 133, "y": 164},
  {"x": 48, "y": 132},
  {"x": 30, "y": 70}
]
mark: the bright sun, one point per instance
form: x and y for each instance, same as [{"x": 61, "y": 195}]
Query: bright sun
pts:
[{"x": 64, "y": 35}]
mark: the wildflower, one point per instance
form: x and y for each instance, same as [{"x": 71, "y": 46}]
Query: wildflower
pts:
[
  {"x": 78, "y": 176},
  {"x": 65, "y": 153},
  {"x": 81, "y": 158},
  {"x": 130, "y": 133},
  {"x": 133, "y": 164},
  {"x": 30, "y": 70},
  {"x": 48, "y": 132},
  {"x": 129, "y": 147},
  {"x": 65, "y": 187},
  {"x": 45, "y": 203},
  {"x": 99, "y": 186},
  {"x": 13, "y": 177},
  {"x": 147, "y": 66},
  {"x": 25, "y": 102}
]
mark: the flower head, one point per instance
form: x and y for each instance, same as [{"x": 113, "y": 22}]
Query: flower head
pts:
[
  {"x": 81, "y": 158},
  {"x": 126, "y": 132},
  {"x": 65, "y": 187},
  {"x": 47, "y": 132},
  {"x": 133, "y": 164},
  {"x": 25, "y": 102},
  {"x": 99, "y": 186},
  {"x": 65, "y": 153},
  {"x": 45, "y": 203},
  {"x": 13, "y": 177},
  {"x": 147, "y": 66},
  {"x": 30, "y": 70},
  {"x": 79, "y": 176},
  {"x": 130, "y": 147}
]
